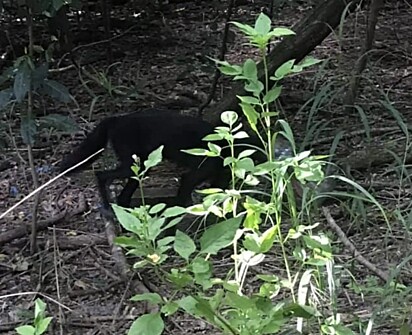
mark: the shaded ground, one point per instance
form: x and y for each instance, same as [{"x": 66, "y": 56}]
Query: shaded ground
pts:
[{"x": 164, "y": 59}]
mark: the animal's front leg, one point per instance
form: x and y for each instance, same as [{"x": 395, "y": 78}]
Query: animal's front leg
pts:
[{"x": 105, "y": 178}]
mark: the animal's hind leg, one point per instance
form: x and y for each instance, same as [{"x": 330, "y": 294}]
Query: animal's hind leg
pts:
[
  {"x": 209, "y": 170},
  {"x": 125, "y": 197},
  {"x": 104, "y": 178}
]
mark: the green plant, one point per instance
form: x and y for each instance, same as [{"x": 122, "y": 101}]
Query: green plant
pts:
[
  {"x": 40, "y": 321},
  {"x": 147, "y": 223},
  {"x": 25, "y": 76},
  {"x": 251, "y": 222},
  {"x": 27, "y": 80}
]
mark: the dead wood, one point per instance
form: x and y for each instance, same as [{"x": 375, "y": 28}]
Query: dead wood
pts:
[
  {"x": 310, "y": 32},
  {"x": 376, "y": 154},
  {"x": 122, "y": 267},
  {"x": 24, "y": 229},
  {"x": 76, "y": 242},
  {"x": 348, "y": 244}
]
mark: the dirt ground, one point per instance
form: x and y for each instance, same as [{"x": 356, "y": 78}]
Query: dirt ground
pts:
[{"x": 161, "y": 56}]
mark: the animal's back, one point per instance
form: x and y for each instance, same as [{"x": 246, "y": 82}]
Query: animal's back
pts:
[{"x": 141, "y": 134}]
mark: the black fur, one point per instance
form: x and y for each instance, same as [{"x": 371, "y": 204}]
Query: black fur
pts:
[{"x": 140, "y": 134}]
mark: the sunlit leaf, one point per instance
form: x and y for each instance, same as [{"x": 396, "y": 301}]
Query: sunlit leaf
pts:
[
  {"x": 219, "y": 235},
  {"x": 148, "y": 324}
]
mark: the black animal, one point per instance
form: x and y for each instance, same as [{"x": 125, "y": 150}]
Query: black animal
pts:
[{"x": 140, "y": 134}]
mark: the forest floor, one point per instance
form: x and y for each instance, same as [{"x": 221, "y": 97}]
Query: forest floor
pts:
[{"x": 160, "y": 59}]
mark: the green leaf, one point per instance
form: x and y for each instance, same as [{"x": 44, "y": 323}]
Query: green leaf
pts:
[
  {"x": 157, "y": 208},
  {"x": 5, "y": 97},
  {"x": 246, "y": 29},
  {"x": 26, "y": 330},
  {"x": 213, "y": 137},
  {"x": 256, "y": 87},
  {"x": 148, "y": 324},
  {"x": 246, "y": 153},
  {"x": 229, "y": 117},
  {"x": 252, "y": 243},
  {"x": 59, "y": 122},
  {"x": 249, "y": 100},
  {"x": 262, "y": 24},
  {"x": 252, "y": 219},
  {"x": 196, "y": 307},
  {"x": 57, "y": 4},
  {"x": 251, "y": 115},
  {"x": 173, "y": 223},
  {"x": 251, "y": 180},
  {"x": 196, "y": 152},
  {"x": 39, "y": 75},
  {"x": 200, "y": 265},
  {"x": 180, "y": 279},
  {"x": 309, "y": 61},
  {"x": 229, "y": 160},
  {"x": 219, "y": 235},
  {"x": 165, "y": 241},
  {"x": 228, "y": 69},
  {"x": 287, "y": 133},
  {"x": 320, "y": 243},
  {"x": 197, "y": 209},
  {"x": 127, "y": 242},
  {"x": 154, "y": 298},
  {"x": 127, "y": 220},
  {"x": 241, "y": 135},
  {"x": 283, "y": 70},
  {"x": 205, "y": 310},
  {"x": 267, "y": 239},
  {"x": 405, "y": 329},
  {"x": 28, "y": 129},
  {"x": 214, "y": 148},
  {"x": 155, "y": 227},
  {"x": 170, "y": 308},
  {"x": 155, "y": 157},
  {"x": 184, "y": 245},
  {"x": 240, "y": 302},
  {"x": 173, "y": 211},
  {"x": 38, "y": 48},
  {"x": 42, "y": 325},
  {"x": 39, "y": 307},
  {"x": 56, "y": 90},
  {"x": 269, "y": 290},
  {"x": 232, "y": 70},
  {"x": 280, "y": 32},
  {"x": 302, "y": 311},
  {"x": 272, "y": 95},
  {"x": 275, "y": 324},
  {"x": 250, "y": 70},
  {"x": 188, "y": 304},
  {"x": 21, "y": 81},
  {"x": 246, "y": 164}
]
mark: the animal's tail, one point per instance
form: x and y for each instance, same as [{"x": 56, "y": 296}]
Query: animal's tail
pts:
[{"x": 95, "y": 141}]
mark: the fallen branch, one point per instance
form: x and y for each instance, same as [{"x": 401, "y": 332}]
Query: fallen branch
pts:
[
  {"x": 348, "y": 244},
  {"x": 121, "y": 264},
  {"x": 42, "y": 225}
]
